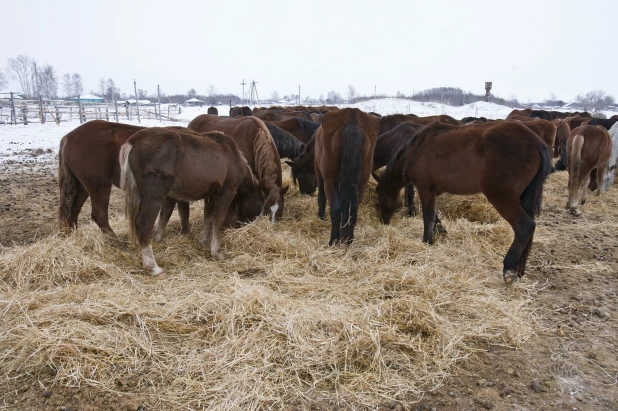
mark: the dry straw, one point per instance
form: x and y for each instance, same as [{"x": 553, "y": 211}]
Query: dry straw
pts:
[{"x": 284, "y": 319}]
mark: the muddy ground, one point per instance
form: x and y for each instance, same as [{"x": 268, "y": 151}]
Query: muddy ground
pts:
[{"x": 572, "y": 364}]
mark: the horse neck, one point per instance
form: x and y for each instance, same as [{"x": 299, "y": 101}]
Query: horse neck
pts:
[{"x": 393, "y": 174}]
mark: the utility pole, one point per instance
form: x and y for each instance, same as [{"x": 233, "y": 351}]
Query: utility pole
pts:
[
  {"x": 136, "y": 102},
  {"x": 243, "y": 91},
  {"x": 375, "y": 91},
  {"x": 299, "y": 94}
]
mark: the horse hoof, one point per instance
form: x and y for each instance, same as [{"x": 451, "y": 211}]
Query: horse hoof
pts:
[
  {"x": 510, "y": 277},
  {"x": 218, "y": 256},
  {"x": 576, "y": 212},
  {"x": 161, "y": 275}
]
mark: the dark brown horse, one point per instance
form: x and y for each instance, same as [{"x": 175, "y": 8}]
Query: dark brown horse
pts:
[
  {"x": 213, "y": 110},
  {"x": 88, "y": 167},
  {"x": 387, "y": 146},
  {"x": 287, "y": 145},
  {"x": 303, "y": 130},
  {"x": 272, "y": 115},
  {"x": 257, "y": 145},
  {"x": 302, "y": 169},
  {"x": 240, "y": 111},
  {"x": 589, "y": 149},
  {"x": 162, "y": 162},
  {"x": 344, "y": 147},
  {"x": 508, "y": 163},
  {"x": 442, "y": 118}
]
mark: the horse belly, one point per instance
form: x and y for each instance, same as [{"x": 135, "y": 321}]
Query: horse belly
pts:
[{"x": 452, "y": 179}]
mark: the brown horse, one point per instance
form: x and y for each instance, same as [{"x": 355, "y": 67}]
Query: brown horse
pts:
[
  {"x": 258, "y": 147},
  {"x": 213, "y": 110},
  {"x": 508, "y": 163},
  {"x": 387, "y": 123},
  {"x": 88, "y": 167},
  {"x": 589, "y": 149},
  {"x": 344, "y": 147},
  {"x": 302, "y": 169},
  {"x": 161, "y": 162},
  {"x": 524, "y": 112},
  {"x": 442, "y": 118}
]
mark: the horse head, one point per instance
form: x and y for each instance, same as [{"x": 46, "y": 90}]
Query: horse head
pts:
[
  {"x": 303, "y": 174},
  {"x": 388, "y": 198},
  {"x": 274, "y": 201}
]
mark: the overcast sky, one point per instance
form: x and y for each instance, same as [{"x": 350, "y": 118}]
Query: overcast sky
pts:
[{"x": 529, "y": 49}]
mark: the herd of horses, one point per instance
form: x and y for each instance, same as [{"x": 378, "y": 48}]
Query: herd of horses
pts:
[{"x": 234, "y": 164}]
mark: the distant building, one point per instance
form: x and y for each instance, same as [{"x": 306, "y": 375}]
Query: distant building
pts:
[
  {"x": 89, "y": 98},
  {"x": 194, "y": 102},
  {"x": 141, "y": 102}
]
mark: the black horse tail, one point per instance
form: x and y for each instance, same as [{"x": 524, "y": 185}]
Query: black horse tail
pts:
[
  {"x": 67, "y": 187},
  {"x": 350, "y": 171},
  {"x": 531, "y": 198}
]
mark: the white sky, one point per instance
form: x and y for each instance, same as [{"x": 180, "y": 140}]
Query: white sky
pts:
[{"x": 529, "y": 49}]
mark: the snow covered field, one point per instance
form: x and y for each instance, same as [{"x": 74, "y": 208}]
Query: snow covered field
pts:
[{"x": 41, "y": 140}]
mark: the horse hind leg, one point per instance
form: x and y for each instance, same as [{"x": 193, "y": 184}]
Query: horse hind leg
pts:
[
  {"x": 523, "y": 228},
  {"x": 167, "y": 208},
  {"x": 183, "y": 213},
  {"x": 428, "y": 205},
  {"x": 100, "y": 210},
  {"x": 208, "y": 216},
  {"x": 409, "y": 195},
  {"x": 80, "y": 197},
  {"x": 335, "y": 217}
]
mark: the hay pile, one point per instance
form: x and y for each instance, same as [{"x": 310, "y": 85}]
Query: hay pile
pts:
[{"x": 285, "y": 318}]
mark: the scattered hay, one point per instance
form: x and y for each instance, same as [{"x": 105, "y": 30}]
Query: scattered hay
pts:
[{"x": 285, "y": 318}]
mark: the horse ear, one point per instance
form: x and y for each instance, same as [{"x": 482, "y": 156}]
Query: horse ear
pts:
[
  {"x": 290, "y": 163},
  {"x": 284, "y": 190},
  {"x": 375, "y": 176}
]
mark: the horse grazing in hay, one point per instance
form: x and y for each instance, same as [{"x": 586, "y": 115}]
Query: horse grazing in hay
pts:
[
  {"x": 508, "y": 163},
  {"x": 257, "y": 145},
  {"x": 287, "y": 145},
  {"x": 387, "y": 146},
  {"x": 344, "y": 147},
  {"x": 88, "y": 167},
  {"x": 302, "y": 169},
  {"x": 160, "y": 162},
  {"x": 589, "y": 149}
]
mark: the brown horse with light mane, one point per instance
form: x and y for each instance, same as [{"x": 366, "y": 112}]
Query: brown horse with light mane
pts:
[
  {"x": 508, "y": 163},
  {"x": 258, "y": 147},
  {"x": 589, "y": 149},
  {"x": 157, "y": 163},
  {"x": 344, "y": 147}
]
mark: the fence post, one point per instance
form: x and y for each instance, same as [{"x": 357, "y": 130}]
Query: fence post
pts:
[
  {"x": 128, "y": 107},
  {"x": 136, "y": 102},
  {"x": 106, "y": 113},
  {"x": 24, "y": 111},
  {"x": 116, "y": 106},
  {"x": 41, "y": 109},
  {"x": 159, "y": 100},
  {"x": 13, "y": 115},
  {"x": 81, "y": 117}
]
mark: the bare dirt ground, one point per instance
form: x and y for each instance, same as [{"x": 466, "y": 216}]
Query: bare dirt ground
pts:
[{"x": 572, "y": 363}]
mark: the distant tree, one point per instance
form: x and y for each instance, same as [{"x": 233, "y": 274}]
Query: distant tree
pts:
[
  {"x": 67, "y": 85},
  {"x": 333, "y": 97},
  {"x": 21, "y": 69},
  {"x": 3, "y": 81},
  {"x": 399, "y": 94},
  {"x": 142, "y": 94},
  {"x": 192, "y": 93},
  {"x": 211, "y": 91},
  {"x": 111, "y": 91},
  {"x": 321, "y": 99},
  {"x": 78, "y": 88},
  {"x": 594, "y": 100},
  {"x": 48, "y": 81},
  {"x": 275, "y": 96},
  {"x": 351, "y": 93},
  {"x": 101, "y": 92}
]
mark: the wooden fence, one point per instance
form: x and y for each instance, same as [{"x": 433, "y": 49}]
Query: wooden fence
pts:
[{"x": 36, "y": 112}]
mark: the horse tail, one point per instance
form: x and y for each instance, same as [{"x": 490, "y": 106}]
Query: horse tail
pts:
[
  {"x": 532, "y": 196},
  {"x": 350, "y": 170},
  {"x": 574, "y": 161},
  {"x": 67, "y": 186},
  {"x": 131, "y": 194}
]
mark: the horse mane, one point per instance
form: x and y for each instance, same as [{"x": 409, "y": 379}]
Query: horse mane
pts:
[
  {"x": 267, "y": 160},
  {"x": 287, "y": 145}
]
